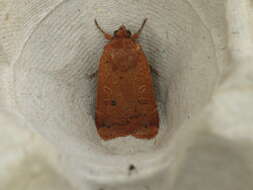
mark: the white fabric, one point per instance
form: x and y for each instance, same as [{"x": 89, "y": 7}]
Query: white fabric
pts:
[{"x": 49, "y": 47}]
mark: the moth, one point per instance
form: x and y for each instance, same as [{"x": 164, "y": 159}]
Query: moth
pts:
[{"x": 125, "y": 98}]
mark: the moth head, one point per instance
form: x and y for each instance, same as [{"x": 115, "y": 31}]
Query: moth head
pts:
[{"x": 122, "y": 32}]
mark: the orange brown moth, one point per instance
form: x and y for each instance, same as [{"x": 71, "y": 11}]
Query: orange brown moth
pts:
[{"x": 125, "y": 99}]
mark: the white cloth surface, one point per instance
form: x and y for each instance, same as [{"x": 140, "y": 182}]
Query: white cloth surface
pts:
[{"x": 202, "y": 51}]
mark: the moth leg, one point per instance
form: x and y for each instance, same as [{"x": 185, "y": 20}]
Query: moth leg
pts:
[
  {"x": 153, "y": 70},
  {"x": 93, "y": 75},
  {"x": 106, "y": 35},
  {"x": 137, "y": 34}
]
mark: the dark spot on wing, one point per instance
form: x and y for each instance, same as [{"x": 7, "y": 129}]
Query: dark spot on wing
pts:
[{"x": 113, "y": 103}]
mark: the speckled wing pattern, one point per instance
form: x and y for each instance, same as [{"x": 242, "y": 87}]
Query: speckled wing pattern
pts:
[{"x": 125, "y": 102}]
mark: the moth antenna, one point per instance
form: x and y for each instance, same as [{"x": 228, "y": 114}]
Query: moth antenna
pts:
[
  {"x": 137, "y": 34},
  {"x": 106, "y": 35},
  {"x": 142, "y": 26}
]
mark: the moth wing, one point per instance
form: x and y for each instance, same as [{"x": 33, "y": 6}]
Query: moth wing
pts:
[
  {"x": 125, "y": 100},
  {"x": 146, "y": 101}
]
